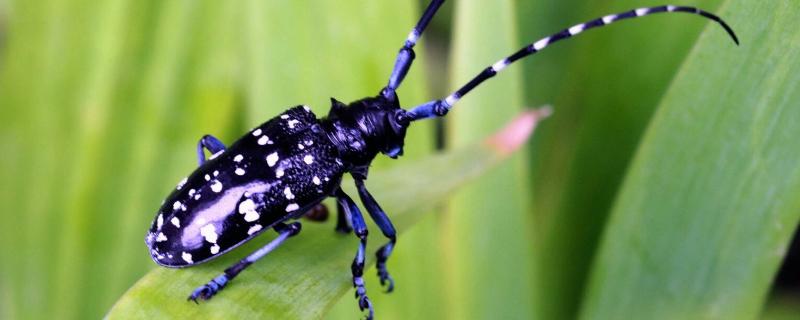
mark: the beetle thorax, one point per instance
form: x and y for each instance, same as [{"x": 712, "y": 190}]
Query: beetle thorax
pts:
[{"x": 364, "y": 128}]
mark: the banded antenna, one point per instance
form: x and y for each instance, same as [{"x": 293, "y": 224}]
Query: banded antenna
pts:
[{"x": 441, "y": 107}]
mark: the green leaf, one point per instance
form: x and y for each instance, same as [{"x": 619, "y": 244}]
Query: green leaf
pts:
[
  {"x": 487, "y": 230},
  {"x": 310, "y": 272},
  {"x": 605, "y": 85},
  {"x": 707, "y": 209}
]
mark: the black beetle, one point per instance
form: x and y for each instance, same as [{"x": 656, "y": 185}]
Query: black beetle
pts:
[{"x": 289, "y": 164}]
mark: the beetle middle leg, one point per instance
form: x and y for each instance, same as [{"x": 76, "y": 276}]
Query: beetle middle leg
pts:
[
  {"x": 383, "y": 222},
  {"x": 357, "y": 268},
  {"x": 212, "y": 144},
  {"x": 209, "y": 289}
]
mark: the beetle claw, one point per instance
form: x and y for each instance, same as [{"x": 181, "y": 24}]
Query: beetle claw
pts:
[
  {"x": 364, "y": 303},
  {"x": 386, "y": 280},
  {"x": 204, "y": 292}
]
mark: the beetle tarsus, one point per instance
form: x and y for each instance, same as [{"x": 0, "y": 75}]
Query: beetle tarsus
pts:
[
  {"x": 364, "y": 303},
  {"x": 208, "y": 290},
  {"x": 386, "y": 279}
]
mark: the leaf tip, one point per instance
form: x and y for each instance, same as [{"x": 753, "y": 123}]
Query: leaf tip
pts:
[{"x": 517, "y": 131}]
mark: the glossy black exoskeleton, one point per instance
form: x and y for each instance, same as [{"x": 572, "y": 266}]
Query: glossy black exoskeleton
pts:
[{"x": 289, "y": 164}]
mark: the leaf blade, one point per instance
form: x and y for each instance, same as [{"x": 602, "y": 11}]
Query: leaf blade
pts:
[{"x": 708, "y": 207}]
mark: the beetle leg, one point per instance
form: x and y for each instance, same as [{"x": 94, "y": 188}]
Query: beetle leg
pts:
[
  {"x": 342, "y": 220},
  {"x": 383, "y": 222},
  {"x": 212, "y": 144},
  {"x": 209, "y": 289},
  {"x": 357, "y": 268}
]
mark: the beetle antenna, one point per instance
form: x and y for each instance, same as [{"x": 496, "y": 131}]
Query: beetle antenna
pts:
[
  {"x": 406, "y": 55},
  {"x": 441, "y": 107}
]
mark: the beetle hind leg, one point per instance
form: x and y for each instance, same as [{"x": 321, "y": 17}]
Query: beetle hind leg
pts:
[{"x": 208, "y": 290}]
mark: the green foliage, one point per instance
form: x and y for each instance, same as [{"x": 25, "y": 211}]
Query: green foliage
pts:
[
  {"x": 710, "y": 201},
  {"x": 610, "y": 214}
]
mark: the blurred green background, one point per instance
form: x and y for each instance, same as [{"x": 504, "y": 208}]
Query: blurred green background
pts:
[{"x": 665, "y": 186}]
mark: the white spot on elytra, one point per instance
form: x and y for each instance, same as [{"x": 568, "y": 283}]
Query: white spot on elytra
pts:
[
  {"x": 608, "y": 19},
  {"x": 263, "y": 140},
  {"x": 257, "y": 132},
  {"x": 215, "y": 249},
  {"x": 272, "y": 158},
  {"x": 161, "y": 237},
  {"x": 238, "y": 158},
  {"x": 187, "y": 257},
  {"x": 176, "y": 222},
  {"x": 309, "y": 142},
  {"x": 292, "y": 207},
  {"x": 284, "y": 116},
  {"x": 288, "y": 193},
  {"x": 159, "y": 221},
  {"x": 197, "y": 196},
  {"x": 254, "y": 229},
  {"x": 279, "y": 173},
  {"x": 248, "y": 208},
  {"x": 239, "y": 172},
  {"x": 216, "y": 186},
  {"x": 251, "y": 216},
  {"x": 306, "y": 108},
  {"x": 246, "y": 205},
  {"x": 300, "y": 146},
  {"x": 308, "y": 159},
  {"x": 316, "y": 180},
  {"x": 216, "y": 173},
  {"x": 208, "y": 178},
  {"x": 191, "y": 192},
  {"x": 180, "y": 184},
  {"x": 641, "y": 12},
  {"x": 176, "y": 205},
  {"x": 292, "y": 123},
  {"x": 209, "y": 232},
  {"x": 326, "y": 179}
]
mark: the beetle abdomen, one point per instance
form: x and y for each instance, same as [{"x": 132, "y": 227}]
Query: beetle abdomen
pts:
[{"x": 275, "y": 172}]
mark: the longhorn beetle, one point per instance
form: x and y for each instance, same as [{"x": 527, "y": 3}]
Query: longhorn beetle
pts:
[{"x": 289, "y": 164}]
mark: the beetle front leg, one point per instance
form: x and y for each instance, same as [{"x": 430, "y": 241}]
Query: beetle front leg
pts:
[
  {"x": 357, "y": 268},
  {"x": 383, "y": 222},
  {"x": 211, "y": 288},
  {"x": 212, "y": 144}
]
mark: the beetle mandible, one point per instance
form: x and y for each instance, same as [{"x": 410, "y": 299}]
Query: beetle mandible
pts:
[{"x": 289, "y": 164}]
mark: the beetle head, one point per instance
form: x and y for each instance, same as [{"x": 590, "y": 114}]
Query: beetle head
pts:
[{"x": 368, "y": 126}]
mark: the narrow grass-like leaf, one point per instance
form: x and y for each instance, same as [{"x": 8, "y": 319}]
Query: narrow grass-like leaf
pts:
[
  {"x": 307, "y": 275},
  {"x": 487, "y": 229},
  {"x": 605, "y": 85},
  {"x": 706, "y": 212}
]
